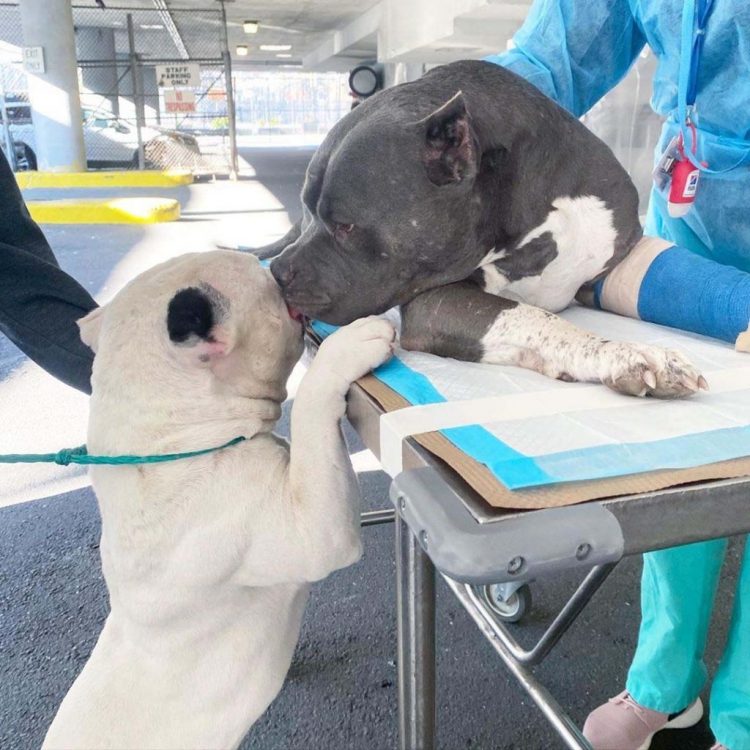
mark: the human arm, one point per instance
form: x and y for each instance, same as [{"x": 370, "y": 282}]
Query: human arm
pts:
[
  {"x": 39, "y": 302},
  {"x": 575, "y": 51}
]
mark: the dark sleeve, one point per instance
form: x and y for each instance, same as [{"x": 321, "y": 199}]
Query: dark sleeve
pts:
[{"x": 39, "y": 302}]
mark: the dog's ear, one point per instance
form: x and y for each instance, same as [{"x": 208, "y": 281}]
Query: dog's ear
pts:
[
  {"x": 90, "y": 326},
  {"x": 450, "y": 152},
  {"x": 193, "y": 326}
]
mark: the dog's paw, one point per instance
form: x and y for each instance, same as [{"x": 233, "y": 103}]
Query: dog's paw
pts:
[
  {"x": 639, "y": 370},
  {"x": 358, "y": 348}
]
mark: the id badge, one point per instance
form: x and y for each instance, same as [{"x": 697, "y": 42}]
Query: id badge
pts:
[{"x": 670, "y": 156}]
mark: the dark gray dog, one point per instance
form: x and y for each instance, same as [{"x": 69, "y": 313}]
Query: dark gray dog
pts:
[{"x": 480, "y": 207}]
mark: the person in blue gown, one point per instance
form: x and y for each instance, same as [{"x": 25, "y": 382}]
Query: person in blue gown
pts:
[{"x": 575, "y": 51}]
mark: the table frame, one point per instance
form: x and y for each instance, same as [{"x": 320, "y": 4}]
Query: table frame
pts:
[{"x": 443, "y": 526}]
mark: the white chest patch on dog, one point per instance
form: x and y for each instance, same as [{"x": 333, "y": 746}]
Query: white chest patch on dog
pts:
[
  {"x": 583, "y": 230},
  {"x": 494, "y": 280}
]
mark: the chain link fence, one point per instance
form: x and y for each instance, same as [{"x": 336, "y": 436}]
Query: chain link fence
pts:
[
  {"x": 15, "y": 114},
  {"x": 288, "y": 106},
  {"x": 138, "y": 110}
]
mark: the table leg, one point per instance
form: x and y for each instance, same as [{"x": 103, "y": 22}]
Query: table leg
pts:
[
  {"x": 568, "y": 732},
  {"x": 415, "y": 591}
]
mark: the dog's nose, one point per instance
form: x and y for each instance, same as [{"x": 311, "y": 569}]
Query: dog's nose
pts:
[{"x": 283, "y": 272}]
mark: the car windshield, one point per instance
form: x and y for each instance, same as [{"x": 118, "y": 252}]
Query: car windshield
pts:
[
  {"x": 17, "y": 113},
  {"x": 98, "y": 119}
]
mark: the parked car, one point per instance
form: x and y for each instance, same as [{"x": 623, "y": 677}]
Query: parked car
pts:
[
  {"x": 109, "y": 141},
  {"x": 25, "y": 157},
  {"x": 19, "y": 116}
]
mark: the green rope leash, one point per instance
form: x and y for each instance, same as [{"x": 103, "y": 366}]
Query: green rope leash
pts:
[{"x": 80, "y": 455}]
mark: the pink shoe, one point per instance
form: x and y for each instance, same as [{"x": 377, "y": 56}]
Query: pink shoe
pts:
[
  {"x": 719, "y": 746},
  {"x": 623, "y": 724}
]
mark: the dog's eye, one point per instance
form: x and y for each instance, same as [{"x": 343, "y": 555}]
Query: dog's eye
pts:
[{"x": 342, "y": 230}]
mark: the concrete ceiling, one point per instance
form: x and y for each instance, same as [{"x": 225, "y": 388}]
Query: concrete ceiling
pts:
[
  {"x": 338, "y": 34},
  {"x": 322, "y": 34},
  {"x": 305, "y": 24}
]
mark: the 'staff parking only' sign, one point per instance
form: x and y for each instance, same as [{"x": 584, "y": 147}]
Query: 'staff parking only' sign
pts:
[{"x": 178, "y": 74}]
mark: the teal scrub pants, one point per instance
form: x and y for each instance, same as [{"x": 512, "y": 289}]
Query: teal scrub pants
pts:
[
  {"x": 677, "y": 599},
  {"x": 668, "y": 672}
]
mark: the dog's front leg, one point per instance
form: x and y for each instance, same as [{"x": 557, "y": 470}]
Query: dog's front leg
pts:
[
  {"x": 462, "y": 321},
  {"x": 323, "y": 486}
]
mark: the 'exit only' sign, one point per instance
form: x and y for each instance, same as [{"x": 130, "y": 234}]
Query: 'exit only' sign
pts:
[{"x": 33, "y": 59}]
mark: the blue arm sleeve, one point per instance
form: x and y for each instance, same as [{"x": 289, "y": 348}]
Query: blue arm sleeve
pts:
[{"x": 575, "y": 51}]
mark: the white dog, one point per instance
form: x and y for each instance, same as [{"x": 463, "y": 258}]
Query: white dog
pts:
[{"x": 208, "y": 560}]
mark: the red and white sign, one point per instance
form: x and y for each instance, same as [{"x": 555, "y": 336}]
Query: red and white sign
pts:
[{"x": 179, "y": 101}]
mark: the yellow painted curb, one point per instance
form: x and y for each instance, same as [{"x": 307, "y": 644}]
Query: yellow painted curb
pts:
[
  {"x": 106, "y": 211},
  {"x": 31, "y": 180}
]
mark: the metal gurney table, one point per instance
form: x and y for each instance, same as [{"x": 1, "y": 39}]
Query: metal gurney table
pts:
[{"x": 443, "y": 525}]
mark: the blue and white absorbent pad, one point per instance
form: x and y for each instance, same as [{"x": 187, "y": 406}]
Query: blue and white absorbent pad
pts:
[{"x": 533, "y": 433}]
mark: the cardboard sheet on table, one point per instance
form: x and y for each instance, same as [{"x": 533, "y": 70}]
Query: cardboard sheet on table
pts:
[
  {"x": 483, "y": 482},
  {"x": 648, "y": 424}
]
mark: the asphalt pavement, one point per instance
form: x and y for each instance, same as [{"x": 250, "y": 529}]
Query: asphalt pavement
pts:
[{"x": 341, "y": 690}]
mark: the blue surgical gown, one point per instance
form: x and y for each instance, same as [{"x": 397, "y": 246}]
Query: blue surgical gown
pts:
[{"x": 577, "y": 50}]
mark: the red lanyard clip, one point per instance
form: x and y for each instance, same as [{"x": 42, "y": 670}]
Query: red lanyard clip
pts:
[{"x": 685, "y": 177}]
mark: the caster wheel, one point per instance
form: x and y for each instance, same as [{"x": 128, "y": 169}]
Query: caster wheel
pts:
[{"x": 511, "y": 609}]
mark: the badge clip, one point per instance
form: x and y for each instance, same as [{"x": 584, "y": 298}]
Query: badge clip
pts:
[{"x": 685, "y": 177}]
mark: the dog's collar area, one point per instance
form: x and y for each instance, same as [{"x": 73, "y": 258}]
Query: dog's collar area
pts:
[{"x": 80, "y": 455}]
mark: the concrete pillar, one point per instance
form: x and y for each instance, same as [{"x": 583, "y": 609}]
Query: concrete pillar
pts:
[
  {"x": 54, "y": 96},
  {"x": 126, "y": 99},
  {"x": 99, "y": 82},
  {"x": 150, "y": 96},
  {"x": 146, "y": 78},
  {"x": 395, "y": 73}
]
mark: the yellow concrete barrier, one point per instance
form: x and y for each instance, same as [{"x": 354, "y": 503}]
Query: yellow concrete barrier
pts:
[
  {"x": 105, "y": 211},
  {"x": 103, "y": 179}
]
